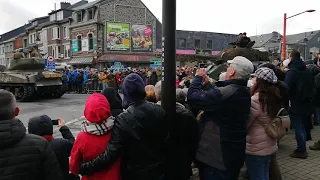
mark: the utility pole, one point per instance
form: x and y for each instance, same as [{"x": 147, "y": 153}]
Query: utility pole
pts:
[{"x": 168, "y": 89}]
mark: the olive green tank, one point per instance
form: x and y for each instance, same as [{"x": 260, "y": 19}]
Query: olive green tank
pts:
[
  {"x": 27, "y": 79},
  {"x": 241, "y": 47}
]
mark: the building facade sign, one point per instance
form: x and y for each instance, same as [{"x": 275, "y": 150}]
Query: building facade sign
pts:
[
  {"x": 118, "y": 36},
  {"x": 142, "y": 38}
]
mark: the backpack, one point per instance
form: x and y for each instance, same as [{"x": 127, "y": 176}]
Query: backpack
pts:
[
  {"x": 278, "y": 126},
  {"x": 306, "y": 86}
]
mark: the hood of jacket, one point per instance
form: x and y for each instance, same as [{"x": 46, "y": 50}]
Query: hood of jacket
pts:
[
  {"x": 297, "y": 64},
  {"x": 113, "y": 97},
  {"x": 11, "y": 132},
  {"x": 40, "y": 125}
]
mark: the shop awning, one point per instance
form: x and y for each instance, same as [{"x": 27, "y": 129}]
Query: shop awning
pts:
[
  {"x": 81, "y": 60},
  {"x": 125, "y": 58}
]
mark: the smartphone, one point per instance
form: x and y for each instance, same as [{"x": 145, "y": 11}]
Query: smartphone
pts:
[{"x": 55, "y": 122}]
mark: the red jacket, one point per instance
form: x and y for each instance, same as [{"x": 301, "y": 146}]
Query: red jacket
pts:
[{"x": 87, "y": 147}]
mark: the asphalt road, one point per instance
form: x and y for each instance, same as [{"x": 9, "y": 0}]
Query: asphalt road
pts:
[{"x": 69, "y": 107}]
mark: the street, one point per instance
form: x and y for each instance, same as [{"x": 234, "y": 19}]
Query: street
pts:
[{"x": 69, "y": 107}]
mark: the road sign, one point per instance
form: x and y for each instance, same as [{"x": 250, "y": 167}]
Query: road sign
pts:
[
  {"x": 51, "y": 66},
  {"x": 50, "y": 59}
]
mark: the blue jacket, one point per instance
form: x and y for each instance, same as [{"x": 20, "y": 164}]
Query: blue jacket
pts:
[
  {"x": 296, "y": 77},
  {"x": 223, "y": 126}
]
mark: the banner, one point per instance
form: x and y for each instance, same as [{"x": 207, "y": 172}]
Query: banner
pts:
[
  {"x": 85, "y": 45},
  {"x": 118, "y": 36},
  {"x": 74, "y": 45},
  {"x": 141, "y": 38}
]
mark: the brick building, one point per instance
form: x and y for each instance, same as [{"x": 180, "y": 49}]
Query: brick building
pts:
[{"x": 54, "y": 34}]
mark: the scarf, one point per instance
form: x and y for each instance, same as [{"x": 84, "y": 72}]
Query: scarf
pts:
[
  {"x": 48, "y": 137},
  {"x": 98, "y": 129}
]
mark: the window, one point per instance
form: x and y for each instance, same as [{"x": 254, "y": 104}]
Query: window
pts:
[
  {"x": 91, "y": 42},
  {"x": 66, "y": 32},
  {"x": 11, "y": 48},
  {"x": 79, "y": 16},
  {"x": 91, "y": 13},
  {"x": 2, "y": 50},
  {"x": 182, "y": 43},
  {"x": 55, "y": 51},
  {"x": 209, "y": 44},
  {"x": 55, "y": 33},
  {"x": 25, "y": 43},
  {"x": 52, "y": 17},
  {"x": 67, "y": 51},
  {"x": 197, "y": 43},
  {"x": 31, "y": 39},
  {"x": 79, "y": 38},
  {"x": 59, "y": 15},
  {"x": 7, "y": 49}
]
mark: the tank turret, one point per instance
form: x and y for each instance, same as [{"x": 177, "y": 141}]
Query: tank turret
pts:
[{"x": 241, "y": 47}]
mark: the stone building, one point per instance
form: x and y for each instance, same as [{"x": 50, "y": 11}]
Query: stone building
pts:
[
  {"x": 54, "y": 34},
  {"x": 124, "y": 18}
]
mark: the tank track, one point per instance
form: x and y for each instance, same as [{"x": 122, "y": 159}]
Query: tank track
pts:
[{"x": 22, "y": 92}]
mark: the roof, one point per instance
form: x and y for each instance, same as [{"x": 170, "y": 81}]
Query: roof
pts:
[
  {"x": 85, "y": 6},
  {"x": 299, "y": 38},
  {"x": 13, "y": 33},
  {"x": 261, "y": 39},
  {"x": 71, "y": 7}
]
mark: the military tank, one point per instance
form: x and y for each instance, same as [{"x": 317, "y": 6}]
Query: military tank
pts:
[
  {"x": 27, "y": 79},
  {"x": 241, "y": 47}
]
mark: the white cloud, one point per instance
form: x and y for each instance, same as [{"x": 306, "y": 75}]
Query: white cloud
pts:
[{"x": 223, "y": 16}]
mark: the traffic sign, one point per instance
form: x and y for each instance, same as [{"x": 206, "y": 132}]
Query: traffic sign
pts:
[
  {"x": 50, "y": 59},
  {"x": 51, "y": 66}
]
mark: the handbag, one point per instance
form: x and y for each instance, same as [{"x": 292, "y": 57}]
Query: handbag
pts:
[{"x": 278, "y": 126}]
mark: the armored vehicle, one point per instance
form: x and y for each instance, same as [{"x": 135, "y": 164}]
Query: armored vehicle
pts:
[
  {"x": 241, "y": 47},
  {"x": 27, "y": 79}
]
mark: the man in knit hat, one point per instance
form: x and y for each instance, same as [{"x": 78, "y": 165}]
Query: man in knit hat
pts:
[{"x": 140, "y": 135}]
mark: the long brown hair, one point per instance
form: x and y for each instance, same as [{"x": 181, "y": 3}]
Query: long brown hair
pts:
[{"x": 269, "y": 96}]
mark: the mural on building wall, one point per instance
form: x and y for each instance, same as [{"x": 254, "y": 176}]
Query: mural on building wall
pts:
[
  {"x": 141, "y": 38},
  {"x": 74, "y": 45},
  {"x": 118, "y": 36}
]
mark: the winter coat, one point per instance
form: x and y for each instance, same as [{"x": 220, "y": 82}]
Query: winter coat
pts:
[
  {"x": 223, "y": 126},
  {"x": 140, "y": 134},
  {"x": 25, "y": 156},
  {"x": 114, "y": 99},
  {"x": 259, "y": 143},
  {"x": 87, "y": 147}
]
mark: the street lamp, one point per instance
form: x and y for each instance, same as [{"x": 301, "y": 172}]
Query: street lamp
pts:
[{"x": 284, "y": 39}]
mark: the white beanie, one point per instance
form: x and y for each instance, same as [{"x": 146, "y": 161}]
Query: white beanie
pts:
[{"x": 286, "y": 63}]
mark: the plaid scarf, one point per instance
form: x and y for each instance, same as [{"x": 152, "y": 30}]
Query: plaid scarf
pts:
[{"x": 98, "y": 129}]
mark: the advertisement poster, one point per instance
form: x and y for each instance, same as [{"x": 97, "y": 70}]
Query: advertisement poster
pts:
[
  {"x": 74, "y": 45},
  {"x": 118, "y": 36},
  {"x": 141, "y": 38},
  {"x": 85, "y": 45}
]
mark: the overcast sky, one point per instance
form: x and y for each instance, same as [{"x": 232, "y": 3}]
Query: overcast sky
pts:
[{"x": 225, "y": 16}]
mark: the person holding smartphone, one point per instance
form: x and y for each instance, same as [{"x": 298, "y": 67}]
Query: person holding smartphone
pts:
[{"x": 43, "y": 126}]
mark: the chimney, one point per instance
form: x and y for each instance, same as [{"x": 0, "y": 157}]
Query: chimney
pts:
[{"x": 64, "y": 5}]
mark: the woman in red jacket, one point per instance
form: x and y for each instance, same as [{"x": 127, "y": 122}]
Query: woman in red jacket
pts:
[{"x": 93, "y": 140}]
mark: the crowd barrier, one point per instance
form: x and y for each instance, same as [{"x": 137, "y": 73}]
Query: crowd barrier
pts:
[{"x": 93, "y": 86}]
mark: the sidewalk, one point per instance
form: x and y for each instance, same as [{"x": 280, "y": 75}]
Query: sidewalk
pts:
[{"x": 291, "y": 169}]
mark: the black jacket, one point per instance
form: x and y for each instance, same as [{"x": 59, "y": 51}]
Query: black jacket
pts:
[
  {"x": 183, "y": 143},
  {"x": 140, "y": 135},
  {"x": 62, "y": 148},
  {"x": 42, "y": 125},
  {"x": 25, "y": 156},
  {"x": 114, "y": 100}
]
